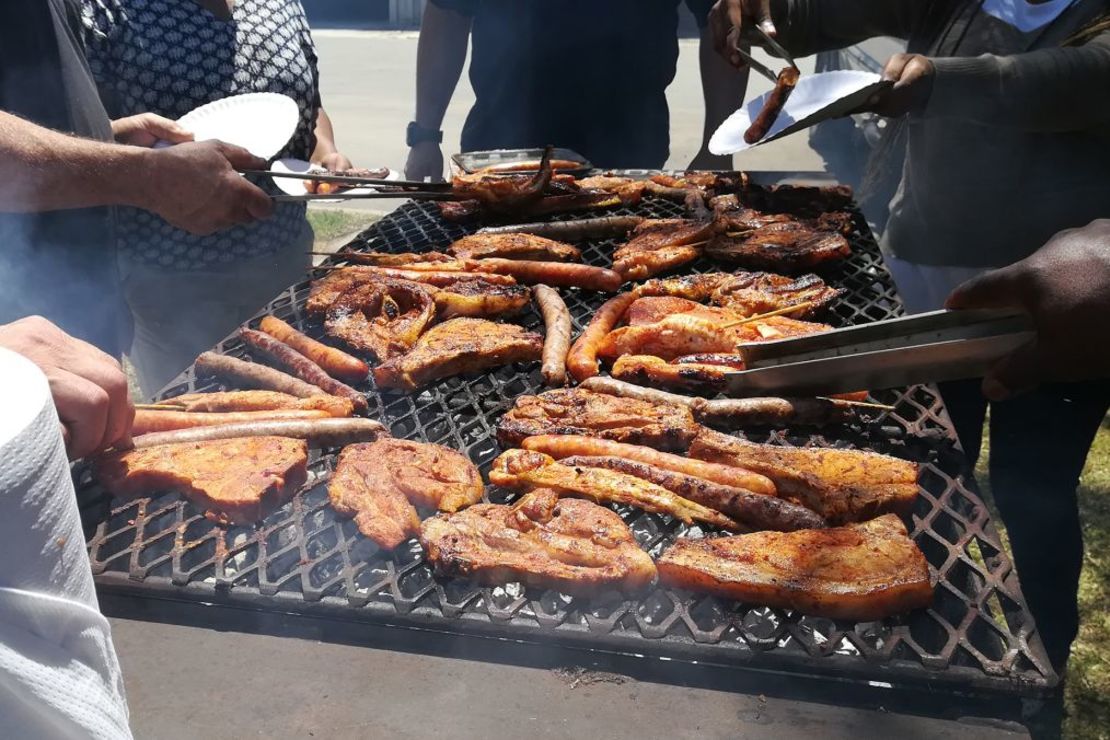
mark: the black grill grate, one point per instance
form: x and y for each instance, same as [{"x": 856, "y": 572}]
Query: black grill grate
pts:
[{"x": 305, "y": 559}]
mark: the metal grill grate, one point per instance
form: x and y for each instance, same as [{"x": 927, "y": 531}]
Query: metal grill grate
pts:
[{"x": 304, "y": 558}]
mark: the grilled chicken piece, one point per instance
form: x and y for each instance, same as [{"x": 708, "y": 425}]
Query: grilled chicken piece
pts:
[
  {"x": 691, "y": 287},
  {"x": 524, "y": 470},
  {"x": 504, "y": 193},
  {"x": 458, "y": 346},
  {"x": 235, "y": 481},
  {"x": 861, "y": 572},
  {"x": 480, "y": 298},
  {"x": 783, "y": 247},
  {"x": 381, "y": 483},
  {"x": 748, "y": 293},
  {"x": 630, "y": 191},
  {"x": 578, "y": 411},
  {"x": 840, "y": 485},
  {"x": 514, "y": 246},
  {"x": 658, "y": 245},
  {"x": 383, "y": 318},
  {"x": 572, "y": 546},
  {"x": 388, "y": 259},
  {"x": 258, "y": 401}
]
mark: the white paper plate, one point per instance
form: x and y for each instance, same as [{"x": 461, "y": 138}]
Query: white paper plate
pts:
[
  {"x": 291, "y": 186},
  {"x": 261, "y": 123},
  {"x": 817, "y": 98}
]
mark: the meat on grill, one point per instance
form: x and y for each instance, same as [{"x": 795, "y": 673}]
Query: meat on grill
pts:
[
  {"x": 234, "y": 481},
  {"x": 748, "y": 293},
  {"x": 658, "y": 245},
  {"x": 318, "y": 187},
  {"x": 478, "y": 297},
  {"x": 504, "y": 193},
  {"x": 524, "y": 470},
  {"x": 803, "y": 201},
  {"x": 458, "y": 346},
  {"x": 390, "y": 259},
  {"x": 578, "y": 411},
  {"x": 840, "y": 485},
  {"x": 258, "y": 401},
  {"x": 380, "y": 484},
  {"x": 860, "y": 572},
  {"x": 326, "y": 290},
  {"x": 573, "y": 546},
  {"x": 655, "y": 372},
  {"x": 629, "y": 190},
  {"x": 383, "y": 318},
  {"x": 790, "y": 246},
  {"x": 513, "y": 246}
]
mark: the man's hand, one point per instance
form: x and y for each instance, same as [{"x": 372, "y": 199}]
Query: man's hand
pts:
[
  {"x": 196, "y": 187},
  {"x": 425, "y": 162},
  {"x": 336, "y": 162},
  {"x": 727, "y": 19},
  {"x": 1065, "y": 287},
  {"x": 147, "y": 129},
  {"x": 89, "y": 387},
  {"x": 912, "y": 75}
]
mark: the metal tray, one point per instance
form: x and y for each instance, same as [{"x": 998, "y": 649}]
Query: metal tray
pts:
[
  {"x": 976, "y": 638},
  {"x": 474, "y": 161}
]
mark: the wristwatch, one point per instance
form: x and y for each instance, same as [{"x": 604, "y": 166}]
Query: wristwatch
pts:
[{"x": 417, "y": 134}]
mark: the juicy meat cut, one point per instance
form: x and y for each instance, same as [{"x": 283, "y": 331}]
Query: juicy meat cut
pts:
[
  {"x": 514, "y": 246},
  {"x": 235, "y": 481},
  {"x": 748, "y": 293},
  {"x": 790, "y": 246},
  {"x": 479, "y": 297},
  {"x": 658, "y": 245},
  {"x": 860, "y": 572},
  {"x": 573, "y": 546},
  {"x": 382, "y": 318}
]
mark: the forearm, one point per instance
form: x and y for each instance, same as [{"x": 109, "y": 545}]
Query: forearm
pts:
[
  {"x": 325, "y": 136},
  {"x": 808, "y": 26},
  {"x": 43, "y": 170},
  {"x": 723, "y": 86},
  {"x": 440, "y": 55},
  {"x": 1051, "y": 90}
]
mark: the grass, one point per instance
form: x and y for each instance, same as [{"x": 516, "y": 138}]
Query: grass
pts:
[
  {"x": 1087, "y": 691},
  {"x": 330, "y": 224}
]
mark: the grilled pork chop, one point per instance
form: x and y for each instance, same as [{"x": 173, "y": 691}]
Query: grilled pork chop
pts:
[
  {"x": 480, "y": 298},
  {"x": 381, "y": 483},
  {"x": 235, "y": 481},
  {"x": 790, "y": 246},
  {"x": 578, "y": 411},
  {"x": 860, "y": 572},
  {"x": 458, "y": 346},
  {"x": 748, "y": 293},
  {"x": 573, "y": 546},
  {"x": 658, "y": 245},
  {"x": 383, "y": 318},
  {"x": 326, "y": 290},
  {"x": 514, "y": 246},
  {"x": 524, "y": 470}
]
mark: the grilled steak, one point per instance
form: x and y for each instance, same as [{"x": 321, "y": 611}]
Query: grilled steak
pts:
[
  {"x": 573, "y": 546},
  {"x": 658, "y": 245},
  {"x": 860, "y": 572},
  {"x": 236, "y": 481},
  {"x": 790, "y": 246},
  {"x": 513, "y": 246},
  {"x": 480, "y": 298},
  {"x": 383, "y": 318}
]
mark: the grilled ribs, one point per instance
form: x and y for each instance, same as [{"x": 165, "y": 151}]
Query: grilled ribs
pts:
[
  {"x": 860, "y": 572},
  {"x": 573, "y": 546},
  {"x": 235, "y": 481},
  {"x": 458, "y": 346}
]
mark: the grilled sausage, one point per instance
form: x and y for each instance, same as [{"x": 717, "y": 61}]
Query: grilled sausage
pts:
[
  {"x": 318, "y": 432},
  {"x": 562, "y": 274},
  {"x": 258, "y": 401},
  {"x": 614, "y": 387},
  {"x": 147, "y": 421},
  {"x": 300, "y": 366},
  {"x": 572, "y": 231},
  {"x": 556, "y": 342},
  {"x": 582, "y": 358},
  {"x": 753, "y": 509},
  {"x": 439, "y": 278},
  {"x": 765, "y": 119},
  {"x": 252, "y": 375},
  {"x": 560, "y": 446},
  {"x": 335, "y": 362}
]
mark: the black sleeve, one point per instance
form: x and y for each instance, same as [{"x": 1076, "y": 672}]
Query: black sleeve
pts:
[
  {"x": 464, "y": 7},
  {"x": 700, "y": 9}
]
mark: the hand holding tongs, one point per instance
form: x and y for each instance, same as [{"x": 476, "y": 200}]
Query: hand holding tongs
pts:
[
  {"x": 923, "y": 348},
  {"x": 384, "y": 188},
  {"x": 775, "y": 47}
]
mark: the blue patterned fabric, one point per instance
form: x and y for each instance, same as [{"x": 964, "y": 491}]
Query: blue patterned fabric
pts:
[{"x": 170, "y": 56}]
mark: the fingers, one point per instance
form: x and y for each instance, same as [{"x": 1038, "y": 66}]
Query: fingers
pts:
[
  {"x": 83, "y": 409},
  {"x": 1018, "y": 373},
  {"x": 240, "y": 158},
  {"x": 994, "y": 289},
  {"x": 164, "y": 128},
  {"x": 763, "y": 17},
  {"x": 255, "y": 202}
]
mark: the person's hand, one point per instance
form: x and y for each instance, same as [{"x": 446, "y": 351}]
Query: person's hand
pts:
[
  {"x": 89, "y": 387},
  {"x": 1065, "y": 287},
  {"x": 147, "y": 129},
  {"x": 335, "y": 162},
  {"x": 425, "y": 162},
  {"x": 912, "y": 75},
  {"x": 727, "y": 19},
  {"x": 196, "y": 187},
  {"x": 704, "y": 160}
]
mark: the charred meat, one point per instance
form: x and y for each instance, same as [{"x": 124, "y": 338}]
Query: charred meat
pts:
[
  {"x": 789, "y": 246},
  {"x": 748, "y": 293},
  {"x": 383, "y": 318},
  {"x": 513, "y": 246},
  {"x": 658, "y": 245}
]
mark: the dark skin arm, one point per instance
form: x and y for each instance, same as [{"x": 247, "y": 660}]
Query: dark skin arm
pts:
[
  {"x": 440, "y": 55},
  {"x": 1065, "y": 287},
  {"x": 723, "y": 88},
  {"x": 326, "y": 153}
]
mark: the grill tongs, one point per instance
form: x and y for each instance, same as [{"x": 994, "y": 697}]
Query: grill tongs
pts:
[
  {"x": 923, "y": 348},
  {"x": 382, "y": 188}
]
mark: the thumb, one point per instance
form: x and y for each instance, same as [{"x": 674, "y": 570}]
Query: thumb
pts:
[
  {"x": 994, "y": 289},
  {"x": 763, "y": 17},
  {"x": 240, "y": 158},
  {"x": 1017, "y": 373},
  {"x": 166, "y": 129}
]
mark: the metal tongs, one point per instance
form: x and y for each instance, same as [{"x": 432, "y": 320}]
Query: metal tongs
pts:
[
  {"x": 923, "y": 348},
  {"x": 769, "y": 41},
  {"x": 383, "y": 188}
]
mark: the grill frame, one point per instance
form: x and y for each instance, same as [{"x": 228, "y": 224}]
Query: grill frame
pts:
[{"x": 977, "y": 638}]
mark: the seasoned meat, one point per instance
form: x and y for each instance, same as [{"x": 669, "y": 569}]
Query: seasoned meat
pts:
[
  {"x": 383, "y": 318},
  {"x": 235, "y": 481},
  {"x": 658, "y": 245},
  {"x": 458, "y": 346},
  {"x": 840, "y": 485},
  {"x": 524, "y": 470},
  {"x": 478, "y": 297},
  {"x": 578, "y": 411},
  {"x": 748, "y": 293},
  {"x": 790, "y": 246},
  {"x": 504, "y": 193},
  {"x": 655, "y": 372},
  {"x": 390, "y": 259},
  {"x": 381, "y": 483},
  {"x": 690, "y": 287},
  {"x": 513, "y": 246},
  {"x": 784, "y": 86},
  {"x": 630, "y": 191},
  {"x": 861, "y": 572},
  {"x": 573, "y": 546},
  {"x": 258, "y": 401},
  {"x": 327, "y": 290}
]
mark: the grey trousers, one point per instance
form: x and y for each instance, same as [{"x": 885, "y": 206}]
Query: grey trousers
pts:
[{"x": 178, "y": 314}]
